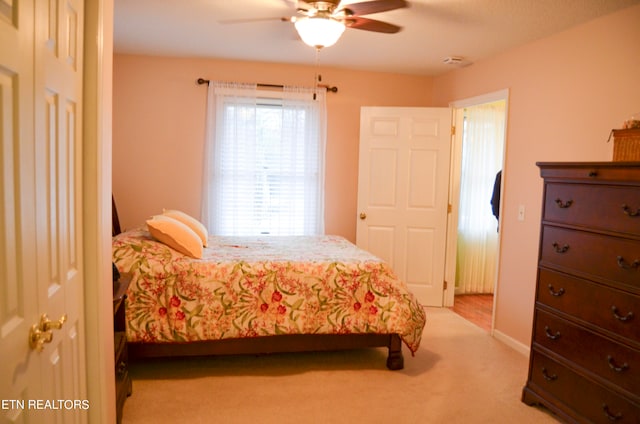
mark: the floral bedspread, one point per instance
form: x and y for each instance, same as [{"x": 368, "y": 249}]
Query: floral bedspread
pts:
[{"x": 248, "y": 287}]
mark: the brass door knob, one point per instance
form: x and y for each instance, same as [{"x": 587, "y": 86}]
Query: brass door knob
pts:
[
  {"x": 363, "y": 215},
  {"x": 42, "y": 333},
  {"x": 46, "y": 324}
]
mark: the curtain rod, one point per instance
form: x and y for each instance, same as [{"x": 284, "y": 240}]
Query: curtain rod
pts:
[{"x": 332, "y": 89}]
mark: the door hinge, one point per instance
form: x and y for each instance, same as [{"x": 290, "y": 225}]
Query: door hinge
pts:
[
  {"x": 449, "y": 208},
  {"x": 444, "y": 286},
  {"x": 453, "y": 130}
]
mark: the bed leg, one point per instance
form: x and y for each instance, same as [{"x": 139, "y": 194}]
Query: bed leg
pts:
[{"x": 395, "y": 360}]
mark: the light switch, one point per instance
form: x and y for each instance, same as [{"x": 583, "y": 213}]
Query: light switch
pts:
[{"x": 521, "y": 213}]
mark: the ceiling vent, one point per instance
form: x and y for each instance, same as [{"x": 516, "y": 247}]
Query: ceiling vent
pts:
[{"x": 456, "y": 61}]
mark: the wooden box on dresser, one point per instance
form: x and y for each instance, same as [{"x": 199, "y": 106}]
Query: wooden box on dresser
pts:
[
  {"x": 585, "y": 350},
  {"x": 123, "y": 379}
]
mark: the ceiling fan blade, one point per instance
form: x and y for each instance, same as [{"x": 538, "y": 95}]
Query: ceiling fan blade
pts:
[
  {"x": 366, "y": 24},
  {"x": 373, "y": 6}
]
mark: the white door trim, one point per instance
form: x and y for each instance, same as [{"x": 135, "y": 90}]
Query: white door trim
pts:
[
  {"x": 97, "y": 210},
  {"x": 483, "y": 98},
  {"x": 452, "y": 227}
]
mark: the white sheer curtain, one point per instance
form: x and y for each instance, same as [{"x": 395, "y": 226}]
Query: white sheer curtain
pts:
[
  {"x": 482, "y": 146},
  {"x": 264, "y": 161}
]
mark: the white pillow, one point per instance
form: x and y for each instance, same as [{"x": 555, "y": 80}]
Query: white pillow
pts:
[
  {"x": 190, "y": 222},
  {"x": 176, "y": 235}
]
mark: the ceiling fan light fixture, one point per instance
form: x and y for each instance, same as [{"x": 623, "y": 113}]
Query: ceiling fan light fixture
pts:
[{"x": 318, "y": 31}]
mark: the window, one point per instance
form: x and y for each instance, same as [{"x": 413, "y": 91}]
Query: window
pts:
[{"x": 264, "y": 166}]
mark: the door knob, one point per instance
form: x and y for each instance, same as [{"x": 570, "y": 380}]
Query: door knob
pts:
[
  {"x": 46, "y": 324},
  {"x": 363, "y": 215},
  {"x": 42, "y": 333}
]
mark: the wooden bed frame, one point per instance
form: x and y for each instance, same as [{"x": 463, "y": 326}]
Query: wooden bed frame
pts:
[
  {"x": 274, "y": 344},
  {"x": 267, "y": 344}
]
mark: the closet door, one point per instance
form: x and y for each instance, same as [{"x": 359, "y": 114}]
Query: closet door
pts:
[
  {"x": 403, "y": 185},
  {"x": 41, "y": 257}
]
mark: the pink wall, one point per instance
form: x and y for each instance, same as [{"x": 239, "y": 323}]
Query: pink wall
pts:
[
  {"x": 566, "y": 93},
  {"x": 159, "y": 121}
]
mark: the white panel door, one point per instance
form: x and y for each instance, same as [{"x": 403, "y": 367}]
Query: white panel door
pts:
[
  {"x": 43, "y": 363},
  {"x": 18, "y": 287},
  {"x": 403, "y": 185}
]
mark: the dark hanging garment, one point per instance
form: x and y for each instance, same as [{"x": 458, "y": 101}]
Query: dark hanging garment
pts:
[{"x": 495, "y": 197}]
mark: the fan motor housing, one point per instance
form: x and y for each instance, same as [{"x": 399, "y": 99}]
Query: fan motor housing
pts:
[{"x": 329, "y": 5}]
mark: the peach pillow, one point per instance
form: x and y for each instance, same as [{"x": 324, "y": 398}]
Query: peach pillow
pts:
[
  {"x": 176, "y": 235},
  {"x": 190, "y": 222}
]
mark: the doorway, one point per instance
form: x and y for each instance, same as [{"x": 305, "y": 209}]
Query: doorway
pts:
[{"x": 476, "y": 191}]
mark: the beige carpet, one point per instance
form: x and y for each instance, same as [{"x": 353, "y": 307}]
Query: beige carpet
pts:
[{"x": 459, "y": 375}]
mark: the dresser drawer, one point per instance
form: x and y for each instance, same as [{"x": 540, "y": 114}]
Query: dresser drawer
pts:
[
  {"x": 614, "y": 208},
  {"x": 610, "y": 360},
  {"x": 594, "y": 402},
  {"x": 592, "y": 172},
  {"x": 613, "y": 258},
  {"x": 608, "y": 308}
]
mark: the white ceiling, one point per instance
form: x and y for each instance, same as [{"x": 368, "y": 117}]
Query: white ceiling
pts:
[{"x": 432, "y": 31}]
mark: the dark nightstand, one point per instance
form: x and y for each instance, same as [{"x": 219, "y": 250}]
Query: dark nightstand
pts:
[{"x": 123, "y": 379}]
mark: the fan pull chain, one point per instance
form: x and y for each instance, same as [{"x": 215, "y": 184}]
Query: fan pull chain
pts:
[{"x": 316, "y": 77}]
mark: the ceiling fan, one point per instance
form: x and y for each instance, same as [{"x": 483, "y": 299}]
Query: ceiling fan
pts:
[{"x": 321, "y": 23}]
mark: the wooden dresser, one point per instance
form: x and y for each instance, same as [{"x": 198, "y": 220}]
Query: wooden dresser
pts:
[
  {"x": 585, "y": 350},
  {"x": 123, "y": 379}
]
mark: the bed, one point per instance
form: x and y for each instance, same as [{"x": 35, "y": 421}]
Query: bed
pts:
[{"x": 256, "y": 295}]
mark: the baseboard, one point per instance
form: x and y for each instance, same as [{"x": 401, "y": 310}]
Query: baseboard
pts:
[{"x": 512, "y": 343}]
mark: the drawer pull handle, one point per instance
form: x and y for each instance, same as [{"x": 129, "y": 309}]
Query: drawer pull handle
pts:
[
  {"x": 547, "y": 376},
  {"x": 593, "y": 173},
  {"x": 563, "y": 205},
  {"x": 555, "y": 293},
  {"x": 548, "y": 333},
  {"x": 625, "y": 265},
  {"x": 627, "y": 210},
  {"x": 619, "y": 317},
  {"x": 614, "y": 366},
  {"x": 559, "y": 249},
  {"x": 609, "y": 415}
]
